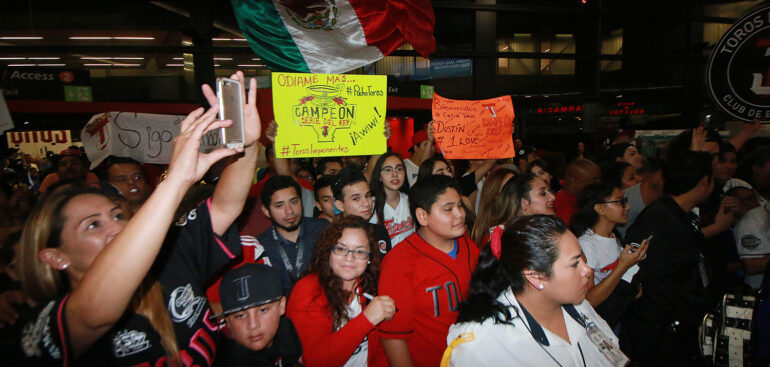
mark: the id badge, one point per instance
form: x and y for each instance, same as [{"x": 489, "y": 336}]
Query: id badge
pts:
[{"x": 605, "y": 345}]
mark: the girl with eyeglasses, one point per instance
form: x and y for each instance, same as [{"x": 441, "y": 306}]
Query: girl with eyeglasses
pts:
[
  {"x": 391, "y": 203},
  {"x": 601, "y": 208},
  {"x": 329, "y": 305}
]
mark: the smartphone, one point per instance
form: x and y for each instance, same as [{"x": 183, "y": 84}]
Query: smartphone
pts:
[
  {"x": 637, "y": 245},
  {"x": 230, "y": 94}
]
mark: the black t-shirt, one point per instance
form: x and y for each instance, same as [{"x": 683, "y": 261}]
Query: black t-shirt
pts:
[
  {"x": 191, "y": 254},
  {"x": 285, "y": 351}
]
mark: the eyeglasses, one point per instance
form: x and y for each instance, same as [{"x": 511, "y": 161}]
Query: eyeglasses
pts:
[
  {"x": 343, "y": 252},
  {"x": 622, "y": 202},
  {"x": 390, "y": 170}
]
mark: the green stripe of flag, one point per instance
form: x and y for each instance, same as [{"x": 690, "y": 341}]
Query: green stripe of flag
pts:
[{"x": 267, "y": 35}]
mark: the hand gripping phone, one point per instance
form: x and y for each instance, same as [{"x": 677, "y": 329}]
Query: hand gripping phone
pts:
[{"x": 230, "y": 94}]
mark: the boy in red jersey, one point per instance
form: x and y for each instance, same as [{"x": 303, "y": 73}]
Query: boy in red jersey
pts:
[{"x": 427, "y": 275}]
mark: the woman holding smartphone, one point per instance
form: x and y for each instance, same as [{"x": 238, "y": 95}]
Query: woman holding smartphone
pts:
[
  {"x": 602, "y": 207},
  {"x": 88, "y": 270}
]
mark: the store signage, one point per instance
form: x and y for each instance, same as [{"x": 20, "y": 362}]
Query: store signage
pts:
[
  {"x": 738, "y": 71},
  {"x": 625, "y": 109},
  {"x": 547, "y": 110}
]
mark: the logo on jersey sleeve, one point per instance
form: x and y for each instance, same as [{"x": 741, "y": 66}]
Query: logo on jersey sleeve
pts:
[
  {"x": 39, "y": 332},
  {"x": 128, "y": 342},
  {"x": 184, "y": 306},
  {"x": 750, "y": 242}
]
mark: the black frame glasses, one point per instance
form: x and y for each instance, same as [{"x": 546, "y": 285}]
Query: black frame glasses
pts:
[
  {"x": 622, "y": 202},
  {"x": 343, "y": 251}
]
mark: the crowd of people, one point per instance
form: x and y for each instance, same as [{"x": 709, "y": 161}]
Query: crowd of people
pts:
[{"x": 379, "y": 260}]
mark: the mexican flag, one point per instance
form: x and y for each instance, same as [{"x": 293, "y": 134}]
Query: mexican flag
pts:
[{"x": 333, "y": 36}]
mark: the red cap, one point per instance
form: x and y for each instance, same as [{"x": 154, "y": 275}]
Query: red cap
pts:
[
  {"x": 419, "y": 137},
  {"x": 70, "y": 151}
]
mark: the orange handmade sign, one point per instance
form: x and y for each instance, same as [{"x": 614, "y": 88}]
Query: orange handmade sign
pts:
[{"x": 474, "y": 129}]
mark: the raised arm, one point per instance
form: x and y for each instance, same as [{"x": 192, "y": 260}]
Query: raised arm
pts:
[
  {"x": 280, "y": 165},
  {"x": 234, "y": 184},
  {"x": 106, "y": 289}
]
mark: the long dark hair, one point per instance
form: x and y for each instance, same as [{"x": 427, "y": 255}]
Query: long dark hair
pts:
[
  {"x": 529, "y": 242},
  {"x": 378, "y": 189},
  {"x": 330, "y": 282},
  {"x": 426, "y": 168},
  {"x": 586, "y": 217}
]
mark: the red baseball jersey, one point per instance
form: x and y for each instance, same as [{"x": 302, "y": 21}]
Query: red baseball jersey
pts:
[{"x": 427, "y": 286}]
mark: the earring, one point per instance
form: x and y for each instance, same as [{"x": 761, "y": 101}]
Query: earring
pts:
[
  {"x": 369, "y": 262},
  {"x": 540, "y": 287},
  {"x": 65, "y": 266}
]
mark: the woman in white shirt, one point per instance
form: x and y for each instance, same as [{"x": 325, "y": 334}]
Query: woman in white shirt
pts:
[
  {"x": 391, "y": 203},
  {"x": 527, "y": 304},
  {"x": 602, "y": 207}
]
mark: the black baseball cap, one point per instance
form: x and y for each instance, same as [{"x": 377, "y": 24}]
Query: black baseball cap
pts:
[{"x": 249, "y": 286}]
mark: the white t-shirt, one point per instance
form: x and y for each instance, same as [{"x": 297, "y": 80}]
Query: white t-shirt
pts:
[
  {"x": 752, "y": 236},
  {"x": 490, "y": 344},
  {"x": 602, "y": 255},
  {"x": 358, "y": 359},
  {"x": 398, "y": 222},
  {"x": 411, "y": 171}
]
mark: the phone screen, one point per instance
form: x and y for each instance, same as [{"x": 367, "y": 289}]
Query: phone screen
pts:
[{"x": 230, "y": 96}]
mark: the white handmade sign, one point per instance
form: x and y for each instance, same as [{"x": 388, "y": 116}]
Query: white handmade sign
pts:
[{"x": 146, "y": 137}]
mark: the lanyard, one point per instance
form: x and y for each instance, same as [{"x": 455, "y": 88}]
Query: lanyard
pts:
[{"x": 293, "y": 270}]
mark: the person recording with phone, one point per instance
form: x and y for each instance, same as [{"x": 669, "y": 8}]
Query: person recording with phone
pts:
[{"x": 601, "y": 207}]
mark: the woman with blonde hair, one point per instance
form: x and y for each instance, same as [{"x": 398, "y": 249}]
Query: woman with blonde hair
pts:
[{"x": 99, "y": 294}]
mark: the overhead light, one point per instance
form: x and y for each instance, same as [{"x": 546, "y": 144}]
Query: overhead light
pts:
[
  {"x": 547, "y": 50},
  {"x": 111, "y": 64},
  {"x": 250, "y": 65},
  {"x": 255, "y": 59},
  {"x": 26, "y": 122},
  {"x": 20, "y": 38},
  {"x": 12, "y": 58},
  {"x": 43, "y": 58},
  {"x": 221, "y": 39},
  {"x": 217, "y": 65},
  {"x": 174, "y": 64},
  {"x": 21, "y": 65},
  {"x": 178, "y": 58},
  {"x": 239, "y": 39},
  {"x": 110, "y": 58},
  {"x": 708, "y": 116},
  {"x": 223, "y": 58},
  {"x": 51, "y": 64},
  {"x": 112, "y": 38}
]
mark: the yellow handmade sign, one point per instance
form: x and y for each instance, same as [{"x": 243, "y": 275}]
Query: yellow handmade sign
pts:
[{"x": 321, "y": 115}]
